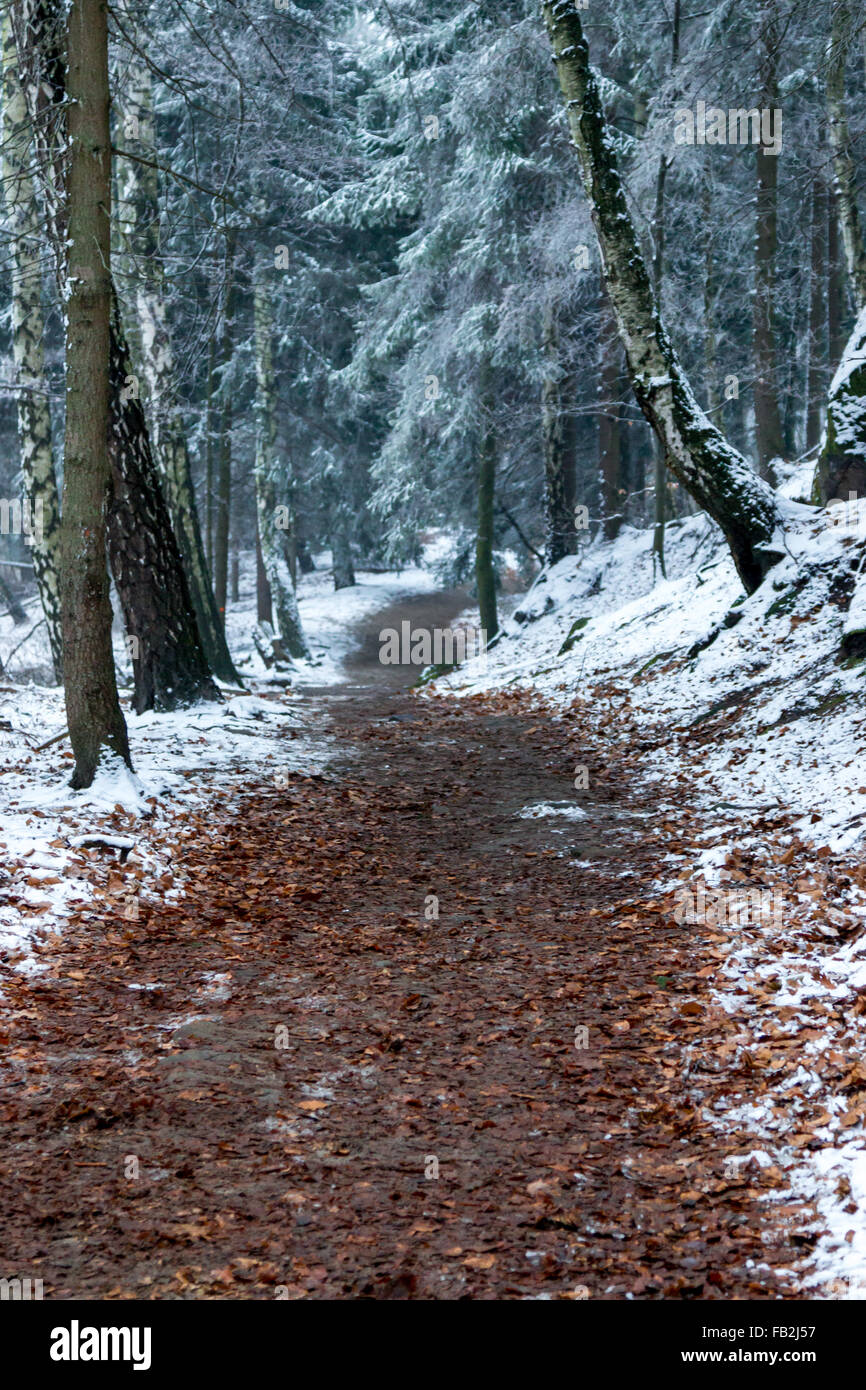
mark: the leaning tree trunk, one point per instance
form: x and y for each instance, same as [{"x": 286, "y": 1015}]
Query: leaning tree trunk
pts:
[
  {"x": 559, "y": 461},
  {"x": 273, "y": 560},
  {"x": 96, "y": 724},
  {"x": 716, "y": 475},
  {"x": 139, "y": 194},
  {"x": 24, "y": 230},
  {"x": 168, "y": 663},
  {"x": 485, "y": 574}
]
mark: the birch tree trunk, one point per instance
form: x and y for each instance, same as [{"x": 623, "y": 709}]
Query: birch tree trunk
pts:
[
  {"x": 139, "y": 217},
  {"x": 719, "y": 478},
  {"x": 25, "y": 232},
  {"x": 168, "y": 662},
  {"x": 844, "y": 175},
  {"x": 96, "y": 724},
  {"x": 273, "y": 560}
]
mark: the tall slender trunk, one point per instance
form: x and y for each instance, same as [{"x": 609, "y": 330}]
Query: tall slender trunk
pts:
[
  {"x": 210, "y": 431},
  {"x": 609, "y": 422},
  {"x": 559, "y": 460},
  {"x": 835, "y": 285},
  {"x": 485, "y": 575},
  {"x": 224, "y": 457},
  {"x": 139, "y": 190},
  {"x": 660, "y": 489},
  {"x": 274, "y": 561},
  {"x": 24, "y": 230},
  {"x": 816, "y": 375},
  {"x": 768, "y": 420},
  {"x": 842, "y": 32},
  {"x": 96, "y": 724},
  {"x": 719, "y": 479},
  {"x": 264, "y": 602},
  {"x": 170, "y": 668},
  {"x": 168, "y": 661}
]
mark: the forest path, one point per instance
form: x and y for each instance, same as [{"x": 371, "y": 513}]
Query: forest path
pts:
[{"x": 291, "y": 1081}]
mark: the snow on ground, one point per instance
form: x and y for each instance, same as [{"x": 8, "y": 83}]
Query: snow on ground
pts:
[
  {"x": 185, "y": 762},
  {"x": 749, "y": 694}
]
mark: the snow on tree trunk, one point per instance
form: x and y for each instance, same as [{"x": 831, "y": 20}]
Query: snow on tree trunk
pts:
[
  {"x": 168, "y": 662},
  {"x": 854, "y": 630},
  {"x": 96, "y": 724},
  {"x": 844, "y": 173},
  {"x": 269, "y": 517},
  {"x": 559, "y": 462},
  {"x": 138, "y": 197},
  {"x": 24, "y": 230},
  {"x": 716, "y": 475},
  {"x": 842, "y": 465}
]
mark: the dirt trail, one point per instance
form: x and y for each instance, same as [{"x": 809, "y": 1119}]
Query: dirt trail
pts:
[{"x": 312, "y": 1089}]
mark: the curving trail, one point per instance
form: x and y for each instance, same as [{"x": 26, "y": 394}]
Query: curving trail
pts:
[{"x": 317, "y": 1091}]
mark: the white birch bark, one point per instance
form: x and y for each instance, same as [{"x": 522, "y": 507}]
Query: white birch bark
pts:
[
  {"x": 273, "y": 559},
  {"x": 717, "y": 476},
  {"x": 34, "y": 415}
]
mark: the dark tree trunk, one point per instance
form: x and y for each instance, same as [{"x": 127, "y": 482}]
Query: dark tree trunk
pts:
[
  {"x": 835, "y": 287},
  {"x": 610, "y": 423},
  {"x": 168, "y": 662},
  {"x": 768, "y": 419},
  {"x": 140, "y": 187},
  {"x": 485, "y": 575},
  {"x": 170, "y": 668},
  {"x": 224, "y": 455},
  {"x": 816, "y": 378},
  {"x": 559, "y": 460},
  {"x": 94, "y": 719}
]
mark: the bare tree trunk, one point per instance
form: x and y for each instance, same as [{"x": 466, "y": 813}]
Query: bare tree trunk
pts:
[
  {"x": 24, "y": 230},
  {"x": 210, "y": 430},
  {"x": 609, "y": 422},
  {"x": 719, "y": 479},
  {"x": 96, "y": 724},
  {"x": 17, "y": 612},
  {"x": 842, "y": 33},
  {"x": 485, "y": 575},
  {"x": 138, "y": 184},
  {"x": 224, "y": 457},
  {"x": 168, "y": 662},
  {"x": 264, "y": 602},
  {"x": 768, "y": 420},
  {"x": 816, "y": 378},
  {"x": 274, "y": 561},
  {"x": 559, "y": 461}
]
